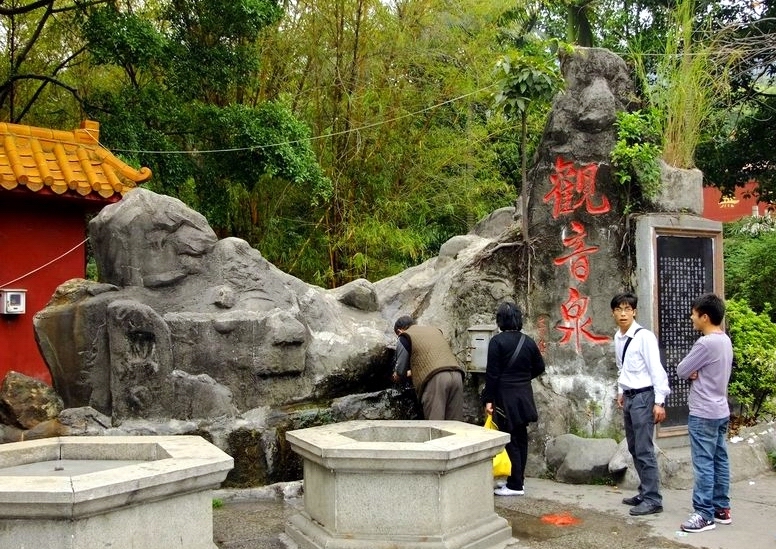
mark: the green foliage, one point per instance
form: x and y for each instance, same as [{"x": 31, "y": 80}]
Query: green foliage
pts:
[
  {"x": 182, "y": 79},
  {"x": 750, "y": 264},
  {"x": 91, "y": 270},
  {"x": 591, "y": 427},
  {"x": 742, "y": 147},
  {"x": 685, "y": 84},
  {"x": 635, "y": 156},
  {"x": 217, "y": 503},
  {"x": 523, "y": 79},
  {"x": 399, "y": 91},
  {"x": 751, "y": 226},
  {"x": 123, "y": 39},
  {"x": 607, "y": 480},
  {"x": 753, "y": 335}
]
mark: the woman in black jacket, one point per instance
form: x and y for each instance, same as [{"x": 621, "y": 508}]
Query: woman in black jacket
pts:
[{"x": 513, "y": 361}]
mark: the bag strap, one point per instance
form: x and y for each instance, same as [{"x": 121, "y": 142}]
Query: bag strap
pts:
[
  {"x": 622, "y": 359},
  {"x": 511, "y": 361},
  {"x": 517, "y": 351}
]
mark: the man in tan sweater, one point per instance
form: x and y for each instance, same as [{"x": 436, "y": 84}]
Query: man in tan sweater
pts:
[{"x": 423, "y": 355}]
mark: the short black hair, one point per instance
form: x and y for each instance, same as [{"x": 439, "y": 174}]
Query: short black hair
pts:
[
  {"x": 628, "y": 298},
  {"x": 509, "y": 317},
  {"x": 712, "y": 305},
  {"x": 403, "y": 322}
]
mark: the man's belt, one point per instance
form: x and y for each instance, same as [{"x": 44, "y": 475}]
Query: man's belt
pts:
[{"x": 634, "y": 392}]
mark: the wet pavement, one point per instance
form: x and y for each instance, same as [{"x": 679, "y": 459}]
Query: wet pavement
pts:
[{"x": 255, "y": 520}]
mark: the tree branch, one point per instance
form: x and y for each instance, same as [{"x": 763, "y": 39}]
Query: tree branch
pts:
[{"x": 21, "y": 10}]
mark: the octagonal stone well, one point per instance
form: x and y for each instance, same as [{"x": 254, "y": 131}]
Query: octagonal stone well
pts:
[
  {"x": 117, "y": 492},
  {"x": 398, "y": 485}
]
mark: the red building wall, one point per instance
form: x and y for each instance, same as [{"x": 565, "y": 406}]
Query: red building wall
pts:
[
  {"x": 732, "y": 208},
  {"x": 34, "y": 231}
]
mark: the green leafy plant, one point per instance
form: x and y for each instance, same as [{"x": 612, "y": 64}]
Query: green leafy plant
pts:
[
  {"x": 635, "y": 155},
  {"x": 750, "y": 264},
  {"x": 753, "y": 226},
  {"x": 525, "y": 79},
  {"x": 685, "y": 85},
  {"x": 217, "y": 503},
  {"x": 593, "y": 413},
  {"x": 753, "y": 383}
]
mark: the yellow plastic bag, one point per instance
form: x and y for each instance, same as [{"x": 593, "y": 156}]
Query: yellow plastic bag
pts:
[{"x": 502, "y": 467}]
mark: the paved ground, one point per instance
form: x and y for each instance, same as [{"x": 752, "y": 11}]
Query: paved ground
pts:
[{"x": 258, "y": 521}]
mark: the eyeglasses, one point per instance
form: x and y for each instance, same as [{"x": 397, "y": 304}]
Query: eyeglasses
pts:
[{"x": 623, "y": 309}]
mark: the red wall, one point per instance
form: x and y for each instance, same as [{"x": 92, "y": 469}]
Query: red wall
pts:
[
  {"x": 733, "y": 209},
  {"x": 34, "y": 231}
]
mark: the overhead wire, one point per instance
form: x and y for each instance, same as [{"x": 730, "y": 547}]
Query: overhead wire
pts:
[
  {"x": 71, "y": 250},
  {"x": 307, "y": 139}
]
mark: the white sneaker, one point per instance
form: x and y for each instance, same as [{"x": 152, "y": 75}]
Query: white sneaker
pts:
[
  {"x": 501, "y": 483},
  {"x": 504, "y": 491},
  {"x": 696, "y": 523}
]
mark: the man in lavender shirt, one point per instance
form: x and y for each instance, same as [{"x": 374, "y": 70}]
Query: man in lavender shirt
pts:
[{"x": 708, "y": 366}]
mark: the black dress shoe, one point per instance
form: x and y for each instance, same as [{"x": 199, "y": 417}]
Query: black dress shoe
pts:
[
  {"x": 645, "y": 508},
  {"x": 634, "y": 501}
]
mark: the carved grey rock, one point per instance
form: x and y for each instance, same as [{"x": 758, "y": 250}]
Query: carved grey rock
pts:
[
  {"x": 580, "y": 460},
  {"x": 598, "y": 84},
  {"x": 359, "y": 294},
  {"x": 199, "y": 397},
  {"x": 621, "y": 460},
  {"x": 141, "y": 361},
  {"x": 176, "y": 298},
  {"x": 495, "y": 223},
  {"x": 168, "y": 244},
  {"x": 599, "y": 107},
  {"x": 85, "y": 421}
]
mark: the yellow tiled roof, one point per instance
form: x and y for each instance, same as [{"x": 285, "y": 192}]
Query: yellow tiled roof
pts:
[{"x": 63, "y": 161}]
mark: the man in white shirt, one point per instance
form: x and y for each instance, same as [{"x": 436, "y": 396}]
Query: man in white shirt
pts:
[{"x": 642, "y": 388}]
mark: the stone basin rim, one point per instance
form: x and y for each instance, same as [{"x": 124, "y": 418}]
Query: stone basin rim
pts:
[
  {"x": 183, "y": 464},
  {"x": 459, "y": 441}
]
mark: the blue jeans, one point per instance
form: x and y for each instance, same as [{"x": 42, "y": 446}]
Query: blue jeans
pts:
[{"x": 708, "y": 448}]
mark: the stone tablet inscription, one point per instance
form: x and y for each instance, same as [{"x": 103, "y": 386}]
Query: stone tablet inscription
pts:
[{"x": 685, "y": 270}]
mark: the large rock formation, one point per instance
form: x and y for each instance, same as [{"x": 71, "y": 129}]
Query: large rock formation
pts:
[
  {"x": 180, "y": 311},
  {"x": 188, "y": 333}
]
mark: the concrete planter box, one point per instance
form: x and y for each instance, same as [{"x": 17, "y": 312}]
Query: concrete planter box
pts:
[
  {"x": 682, "y": 189},
  {"x": 117, "y": 492},
  {"x": 398, "y": 485}
]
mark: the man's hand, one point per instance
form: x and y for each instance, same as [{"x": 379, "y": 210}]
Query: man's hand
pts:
[
  {"x": 693, "y": 376},
  {"x": 619, "y": 401},
  {"x": 489, "y": 408},
  {"x": 658, "y": 413},
  {"x": 395, "y": 377}
]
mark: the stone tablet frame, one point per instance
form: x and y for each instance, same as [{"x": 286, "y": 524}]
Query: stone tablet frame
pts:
[{"x": 649, "y": 228}]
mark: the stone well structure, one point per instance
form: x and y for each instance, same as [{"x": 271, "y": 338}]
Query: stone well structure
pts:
[
  {"x": 117, "y": 492},
  {"x": 398, "y": 485}
]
